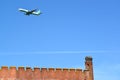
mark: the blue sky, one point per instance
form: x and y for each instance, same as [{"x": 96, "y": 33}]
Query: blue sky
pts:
[{"x": 66, "y": 32}]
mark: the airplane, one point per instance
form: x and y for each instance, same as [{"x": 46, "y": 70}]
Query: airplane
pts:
[{"x": 29, "y": 12}]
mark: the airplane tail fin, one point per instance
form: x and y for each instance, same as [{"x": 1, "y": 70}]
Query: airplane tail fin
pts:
[{"x": 37, "y": 12}]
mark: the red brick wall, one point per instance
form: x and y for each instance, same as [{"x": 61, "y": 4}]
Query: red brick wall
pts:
[
  {"x": 26, "y": 73},
  {"x": 41, "y": 74}
]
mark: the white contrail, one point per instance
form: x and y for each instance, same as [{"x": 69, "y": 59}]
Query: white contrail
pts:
[
  {"x": 67, "y": 52},
  {"x": 57, "y": 52},
  {"x": 74, "y": 52}
]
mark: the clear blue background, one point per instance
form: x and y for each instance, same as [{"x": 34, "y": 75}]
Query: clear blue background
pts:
[{"x": 66, "y": 32}]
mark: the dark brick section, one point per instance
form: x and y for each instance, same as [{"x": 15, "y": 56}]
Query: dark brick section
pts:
[{"x": 26, "y": 73}]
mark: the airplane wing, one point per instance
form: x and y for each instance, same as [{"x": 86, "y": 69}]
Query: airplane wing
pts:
[
  {"x": 23, "y": 10},
  {"x": 34, "y": 10}
]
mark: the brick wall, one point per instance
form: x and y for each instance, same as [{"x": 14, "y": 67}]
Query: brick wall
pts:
[{"x": 27, "y": 73}]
